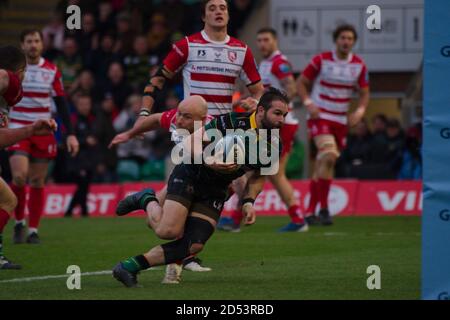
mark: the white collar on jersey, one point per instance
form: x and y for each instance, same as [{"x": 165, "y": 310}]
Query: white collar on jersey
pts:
[
  {"x": 205, "y": 36},
  {"x": 275, "y": 53},
  {"x": 40, "y": 63},
  {"x": 336, "y": 58}
]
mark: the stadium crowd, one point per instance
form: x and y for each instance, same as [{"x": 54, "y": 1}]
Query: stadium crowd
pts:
[{"x": 107, "y": 63}]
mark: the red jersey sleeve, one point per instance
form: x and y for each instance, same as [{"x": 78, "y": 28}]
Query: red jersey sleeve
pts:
[
  {"x": 281, "y": 69},
  {"x": 313, "y": 68},
  {"x": 13, "y": 93},
  {"x": 57, "y": 85},
  {"x": 363, "y": 80},
  {"x": 177, "y": 57},
  {"x": 167, "y": 118},
  {"x": 250, "y": 73}
]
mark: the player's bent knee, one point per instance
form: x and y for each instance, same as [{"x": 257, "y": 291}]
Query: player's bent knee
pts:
[
  {"x": 328, "y": 153},
  {"x": 176, "y": 250},
  {"x": 19, "y": 180},
  {"x": 9, "y": 203},
  {"x": 196, "y": 233},
  {"x": 37, "y": 182},
  {"x": 167, "y": 233},
  {"x": 330, "y": 158}
]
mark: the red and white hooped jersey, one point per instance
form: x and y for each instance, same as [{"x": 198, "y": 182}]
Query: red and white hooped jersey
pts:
[
  {"x": 274, "y": 69},
  {"x": 210, "y": 68},
  {"x": 334, "y": 82},
  {"x": 169, "y": 122},
  {"x": 42, "y": 82}
]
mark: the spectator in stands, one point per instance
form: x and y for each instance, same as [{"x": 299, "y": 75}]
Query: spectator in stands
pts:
[
  {"x": 87, "y": 38},
  {"x": 85, "y": 5},
  {"x": 395, "y": 145},
  {"x": 106, "y": 18},
  {"x": 53, "y": 32},
  {"x": 84, "y": 84},
  {"x": 379, "y": 139},
  {"x": 239, "y": 12},
  {"x": 138, "y": 64},
  {"x": 134, "y": 153},
  {"x": 102, "y": 58},
  {"x": 105, "y": 115},
  {"x": 69, "y": 62},
  {"x": 174, "y": 9},
  {"x": 125, "y": 35},
  {"x": 116, "y": 85},
  {"x": 158, "y": 36},
  {"x": 82, "y": 166},
  {"x": 357, "y": 152},
  {"x": 51, "y": 52},
  {"x": 411, "y": 167}
]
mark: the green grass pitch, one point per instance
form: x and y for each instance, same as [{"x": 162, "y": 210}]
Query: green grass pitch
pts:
[{"x": 258, "y": 263}]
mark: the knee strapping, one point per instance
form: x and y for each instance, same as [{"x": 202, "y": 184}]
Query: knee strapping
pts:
[
  {"x": 196, "y": 231},
  {"x": 326, "y": 145},
  {"x": 176, "y": 250}
]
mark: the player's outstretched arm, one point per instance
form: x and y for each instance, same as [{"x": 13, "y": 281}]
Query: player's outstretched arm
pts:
[
  {"x": 256, "y": 91},
  {"x": 148, "y": 123},
  {"x": 40, "y": 127},
  {"x": 4, "y": 81},
  {"x": 254, "y": 186}
]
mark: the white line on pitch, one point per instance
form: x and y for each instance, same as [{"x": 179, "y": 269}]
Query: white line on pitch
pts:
[{"x": 60, "y": 276}]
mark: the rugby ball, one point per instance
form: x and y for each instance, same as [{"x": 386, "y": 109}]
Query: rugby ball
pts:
[{"x": 230, "y": 149}]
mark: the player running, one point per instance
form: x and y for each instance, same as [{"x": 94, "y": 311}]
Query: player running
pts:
[
  {"x": 210, "y": 61},
  {"x": 30, "y": 158},
  {"x": 190, "y": 110},
  {"x": 196, "y": 192},
  {"x": 12, "y": 70},
  {"x": 276, "y": 71},
  {"x": 325, "y": 87}
]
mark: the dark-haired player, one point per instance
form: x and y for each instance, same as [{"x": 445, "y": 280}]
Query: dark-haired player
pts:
[
  {"x": 196, "y": 192},
  {"x": 325, "y": 87},
  {"x": 276, "y": 71}
]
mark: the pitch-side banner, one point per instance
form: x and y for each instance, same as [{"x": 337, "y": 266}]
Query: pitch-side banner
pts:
[
  {"x": 347, "y": 198},
  {"x": 436, "y": 152}
]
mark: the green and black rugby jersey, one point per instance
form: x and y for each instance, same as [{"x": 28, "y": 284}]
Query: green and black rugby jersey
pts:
[{"x": 259, "y": 145}]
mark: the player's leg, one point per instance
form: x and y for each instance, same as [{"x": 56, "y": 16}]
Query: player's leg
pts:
[
  {"x": 282, "y": 184},
  {"x": 168, "y": 220},
  {"x": 154, "y": 210},
  {"x": 310, "y": 214},
  {"x": 197, "y": 232},
  {"x": 286, "y": 192},
  {"x": 43, "y": 150},
  {"x": 19, "y": 163},
  {"x": 233, "y": 223},
  {"x": 326, "y": 159},
  {"x": 314, "y": 128},
  {"x": 8, "y": 202},
  {"x": 37, "y": 175}
]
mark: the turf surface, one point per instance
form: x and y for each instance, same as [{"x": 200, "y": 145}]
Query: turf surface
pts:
[{"x": 258, "y": 263}]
